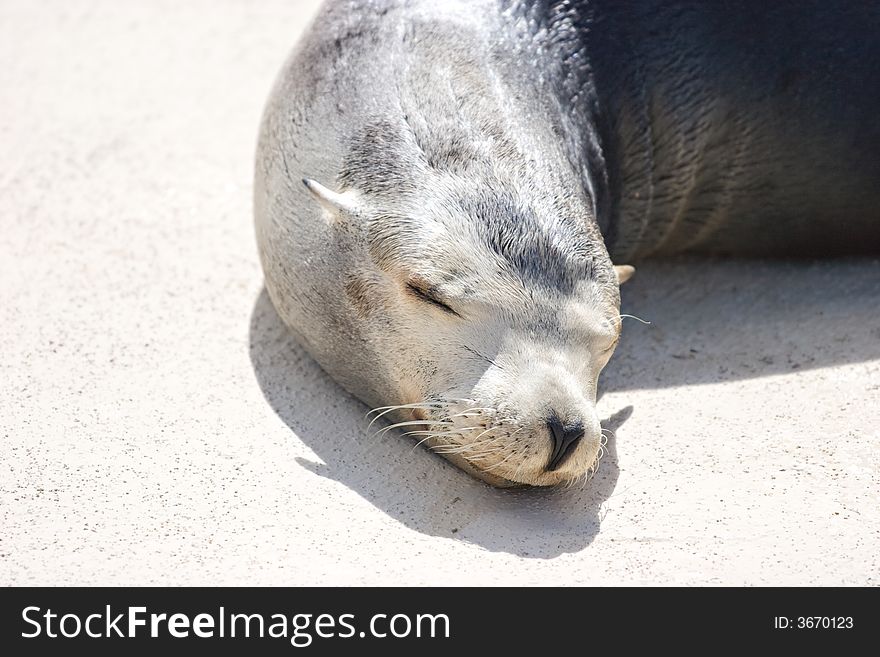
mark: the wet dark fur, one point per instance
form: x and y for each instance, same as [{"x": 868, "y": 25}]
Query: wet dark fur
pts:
[{"x": 739, "y": 127}]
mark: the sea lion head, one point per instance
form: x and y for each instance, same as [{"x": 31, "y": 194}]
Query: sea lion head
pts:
[{"x": 473, "y": 310}]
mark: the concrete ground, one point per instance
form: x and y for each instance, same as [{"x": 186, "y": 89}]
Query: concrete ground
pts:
[{"x": 159, "y": 426}]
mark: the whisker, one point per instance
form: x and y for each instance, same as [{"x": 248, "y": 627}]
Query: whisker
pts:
[
  {"x": 585, "y": 479},
  {"x": 451, "y": 432},
  {"x": 424, "y": 404},
  {"x": 518, "y": 470},
  {"x": 469, "y": 412},
  {"x": 421, "y": 441},
  {"x": 389, "y": 409},
  {"x": 473, "y": 443},
  {"x": 500, "y": 463},
  {"x": 406, "y": 424},
  {"x": 485, "y": 432},
  {"x": 469, "y": 447}
]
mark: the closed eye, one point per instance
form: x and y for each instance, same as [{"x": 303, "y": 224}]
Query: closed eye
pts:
[{"x": 428, "y": 295}]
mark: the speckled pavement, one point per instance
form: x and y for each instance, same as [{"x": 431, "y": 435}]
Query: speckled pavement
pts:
[{"x": 159, "y": 426}]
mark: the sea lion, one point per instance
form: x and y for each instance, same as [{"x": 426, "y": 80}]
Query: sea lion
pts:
[{"x": 441, "y": 188}]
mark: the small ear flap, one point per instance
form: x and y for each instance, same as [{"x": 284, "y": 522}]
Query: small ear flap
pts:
[
  {"x": 333, "y": 202},
  {"x": 624, "y": 273}
]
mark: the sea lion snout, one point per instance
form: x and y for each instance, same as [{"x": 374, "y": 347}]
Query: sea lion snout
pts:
[{"x": 527, "y": 421}]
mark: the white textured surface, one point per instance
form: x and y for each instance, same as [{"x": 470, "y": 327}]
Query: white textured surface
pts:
[{"x": 158, "y": 425}]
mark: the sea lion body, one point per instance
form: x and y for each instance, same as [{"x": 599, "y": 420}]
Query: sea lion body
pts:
[
  {"x": 745, "y": 128},
  {"x": 470, "y": 166}
]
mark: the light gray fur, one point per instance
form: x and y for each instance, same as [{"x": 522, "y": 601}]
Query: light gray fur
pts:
[{"x": 445, "y": 147}]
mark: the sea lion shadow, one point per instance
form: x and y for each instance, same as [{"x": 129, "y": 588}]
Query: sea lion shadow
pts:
[
  {"x": 718, "y": 320},
  {"x": 414, "y": 486}
]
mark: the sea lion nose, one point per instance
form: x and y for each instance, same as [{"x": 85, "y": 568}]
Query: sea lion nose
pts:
[{"x": 565, "y": 440}]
